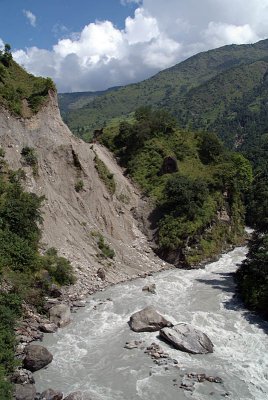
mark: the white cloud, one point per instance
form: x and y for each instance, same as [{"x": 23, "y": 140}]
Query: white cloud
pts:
[
  {"x": 31, "y": 17},
  {"x": 159, "y": 35},
  {"x": 97, "y": 40},
  {"x": 219, "y": 34},
  {"x": 141, "y": 28},
  {"x": 2, "y": 44}
]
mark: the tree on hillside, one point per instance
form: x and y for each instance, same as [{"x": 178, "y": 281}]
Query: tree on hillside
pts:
[
  {"x": 252, "y": 275},
  {"x": 184, "y": 196},
  {"x": 210, "y": 148},
  {"x": 6, "y": 56}
]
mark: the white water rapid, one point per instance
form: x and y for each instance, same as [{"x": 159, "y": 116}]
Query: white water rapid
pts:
[{"x": 89, "y": 354}]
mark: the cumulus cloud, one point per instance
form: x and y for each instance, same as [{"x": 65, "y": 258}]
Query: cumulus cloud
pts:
[
  {"x": 219, "y": 34},
  {"x": 142, "y": 28},
  {"x": 31, "y": 17},
  {"x": 160, "y": 34}
]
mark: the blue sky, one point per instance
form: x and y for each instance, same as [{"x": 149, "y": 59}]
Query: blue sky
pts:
[
  {"x": 88, "y": 45},
  {"x": 55, "y": 19}
]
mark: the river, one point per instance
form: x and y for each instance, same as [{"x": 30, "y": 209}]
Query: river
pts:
[{"x": 89, "y": 354}]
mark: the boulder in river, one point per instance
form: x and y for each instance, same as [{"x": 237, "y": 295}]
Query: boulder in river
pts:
[
  {"x": 51, "y": 394},
  {"x": 78, "y": 396},
  {"x": 48, "y": 327},
  {"x": 148, "y": 320},
  {"x": 36, "y": 357},
  {"x": 24, "y": 392},
  {"x": 60, "y": 314},
  {"x": 149, "y": 288},
  {"x": 186, "y": 338}
]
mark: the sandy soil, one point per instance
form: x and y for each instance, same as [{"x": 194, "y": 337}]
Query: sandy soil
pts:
[{"x": 72, "y": 218}]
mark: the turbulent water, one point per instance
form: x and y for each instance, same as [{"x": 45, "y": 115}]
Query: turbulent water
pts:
[{"x": 89, "y": 354}]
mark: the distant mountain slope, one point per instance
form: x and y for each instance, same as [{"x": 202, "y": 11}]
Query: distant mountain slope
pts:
[
  {"x": 219, "y": 104},
  {"x": 179, "y": 88},
  {"x": 76, "y": 100}
]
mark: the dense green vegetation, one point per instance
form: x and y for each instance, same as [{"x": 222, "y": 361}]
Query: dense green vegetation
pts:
[
  {"x": 188, "y": 201},
  {"x": 252, "y": 275},
  {"x": 25, "y": 275},
  {"x": 23, "y": 94}
]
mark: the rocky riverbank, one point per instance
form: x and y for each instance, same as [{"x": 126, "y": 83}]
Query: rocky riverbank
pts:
[{"x": 31, "y": 328}]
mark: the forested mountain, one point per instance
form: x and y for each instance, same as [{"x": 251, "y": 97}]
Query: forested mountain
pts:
[{"x": 221, "y": 90}]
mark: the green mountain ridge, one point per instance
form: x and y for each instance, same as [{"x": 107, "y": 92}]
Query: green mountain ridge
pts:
[{"x": 176, "y": 89}]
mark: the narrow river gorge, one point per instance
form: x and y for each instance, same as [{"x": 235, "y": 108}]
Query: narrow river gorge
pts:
[{"x": 89, "y": 354}]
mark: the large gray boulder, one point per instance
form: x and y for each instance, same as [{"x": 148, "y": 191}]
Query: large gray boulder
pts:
[
  {"x": 60, "y": 315},
  {"x": 151, "y": 288},
  {"x": 36, "y": 357},
  {"x": 48, "y": 328},
  {"x": 51, "y": 394},
  {"x": 24, "y": 392},
  {"x": 186, "y": 338},
  {"x": 148, "y": 320},
  {"x": 78, "y": 396}
]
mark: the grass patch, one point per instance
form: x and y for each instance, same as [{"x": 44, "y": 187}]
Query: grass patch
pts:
[
  {"x": 30, "y": 158},
  {"x": 79, "y": 185},
  {"x": 105, "y": 249},
  {"x": 105, "y": 175}
]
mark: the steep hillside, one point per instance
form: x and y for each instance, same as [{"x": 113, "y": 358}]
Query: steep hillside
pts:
[
  {"x": 222, "y": 103},
  {"x": 197, "y": 187},
  {"x": 81, "y": 215},
  {"x": 173, "y": 88}
]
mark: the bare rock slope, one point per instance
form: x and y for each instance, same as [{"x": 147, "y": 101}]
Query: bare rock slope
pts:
[{"x": 73, "y": 219}]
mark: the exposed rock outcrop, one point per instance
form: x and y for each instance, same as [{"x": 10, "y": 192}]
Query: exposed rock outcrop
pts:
[
  {"x": 36, "y": 357},
  {"x": 169, "y": 166},
  {"x": 101, "y": 274},
  {"x": 22, "y": 376},
  {"x": 148, "y": 320},
  {"x": 186, "y": 338}
]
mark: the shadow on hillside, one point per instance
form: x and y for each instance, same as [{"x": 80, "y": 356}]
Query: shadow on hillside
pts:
[{"x": 227, "y": 284}]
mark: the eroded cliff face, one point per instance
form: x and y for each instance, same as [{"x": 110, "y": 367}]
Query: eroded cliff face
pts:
[{"x": 71, "y": 218}]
